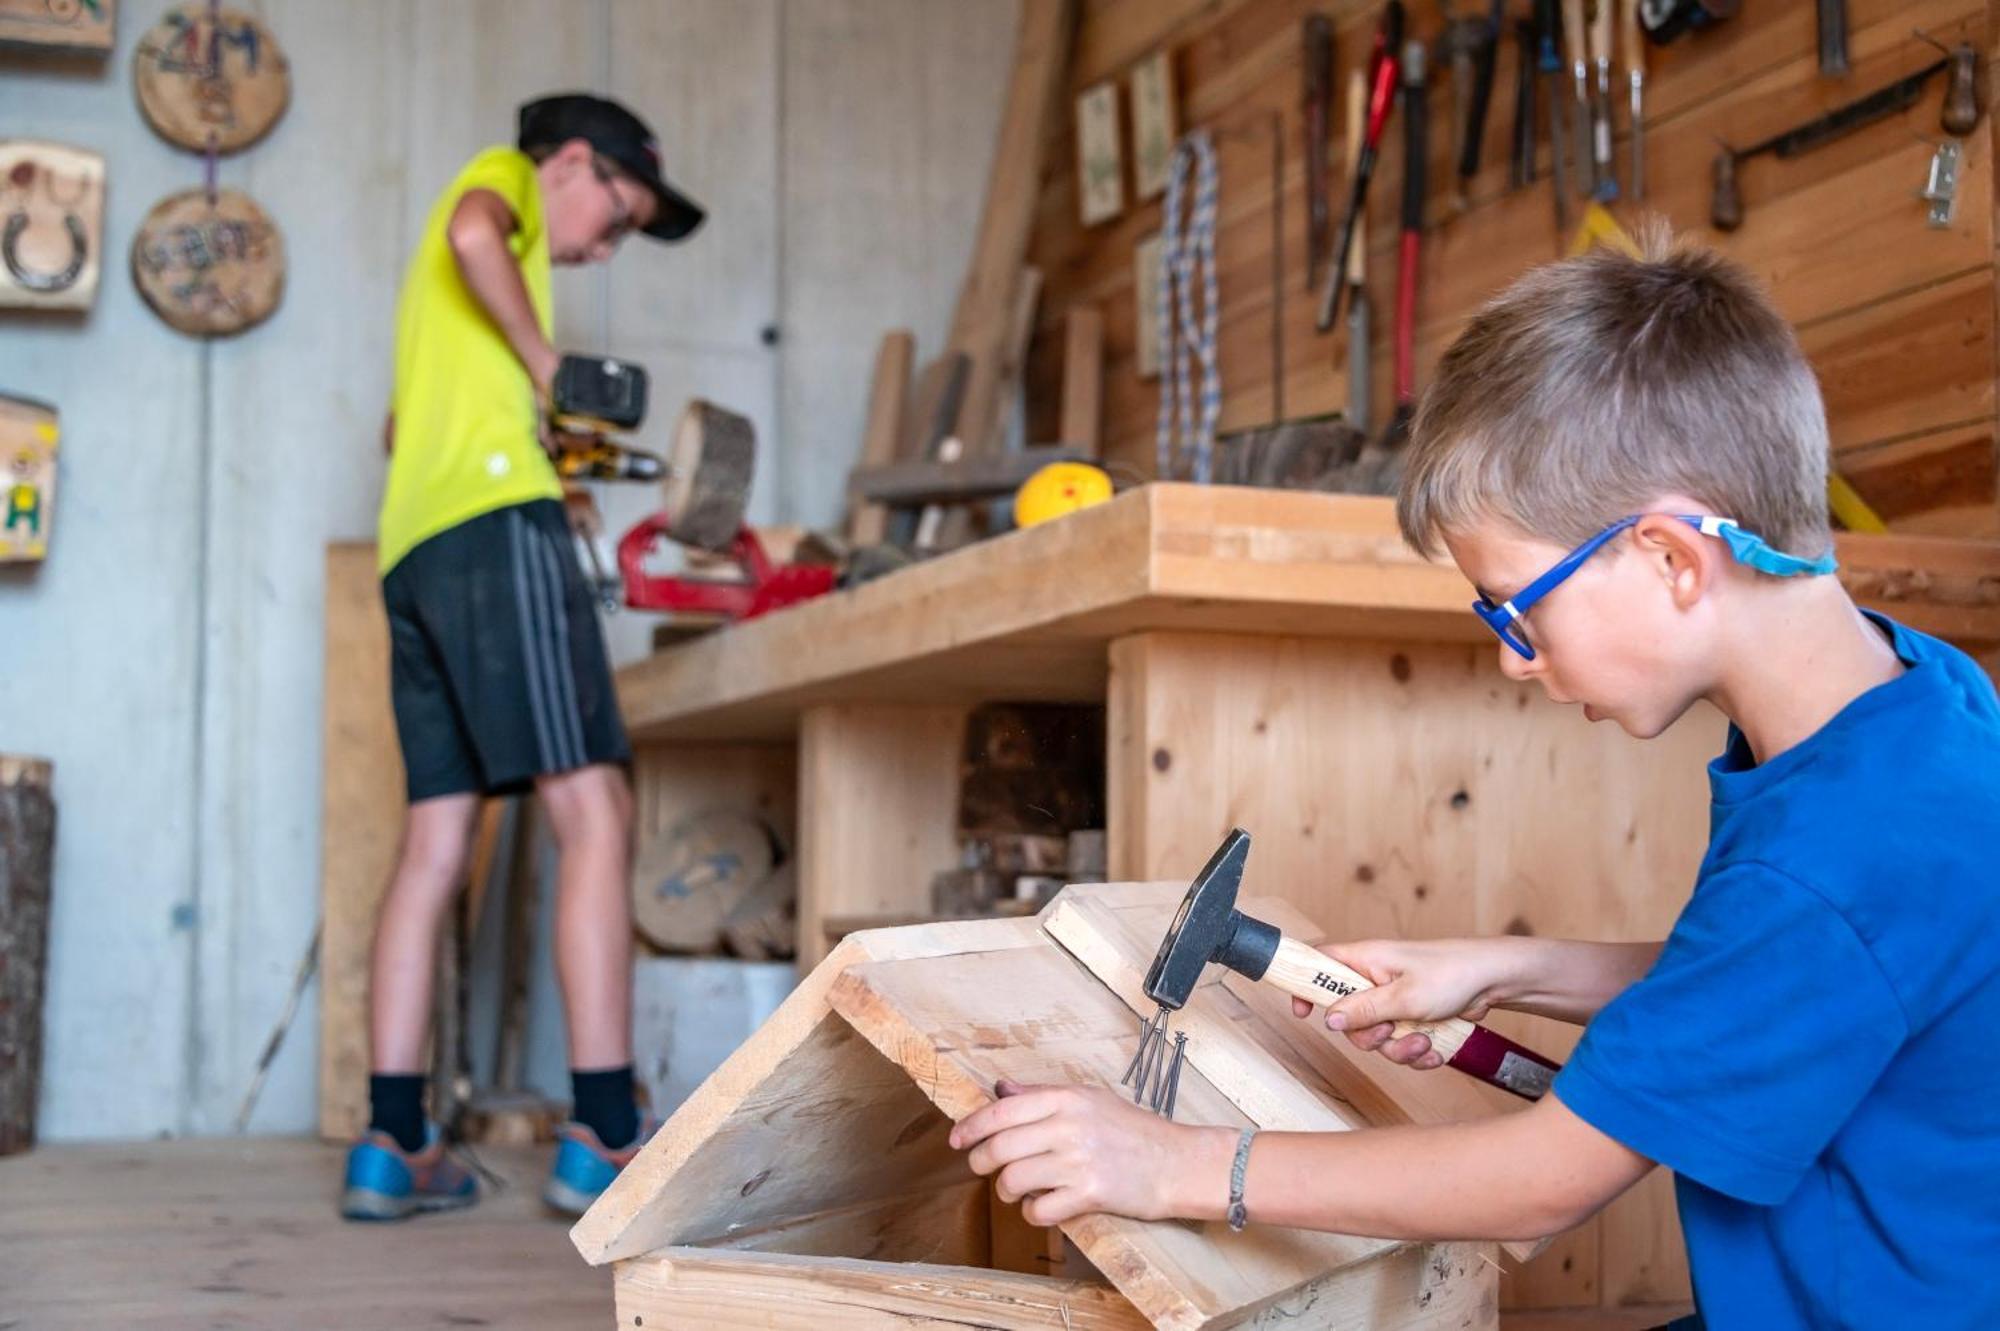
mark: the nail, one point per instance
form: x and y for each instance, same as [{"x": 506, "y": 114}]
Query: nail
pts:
[{"x": 1336, "y": 1021}]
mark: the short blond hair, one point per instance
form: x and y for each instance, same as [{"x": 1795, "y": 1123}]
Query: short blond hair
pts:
[{"x": 1591, "y": 387}]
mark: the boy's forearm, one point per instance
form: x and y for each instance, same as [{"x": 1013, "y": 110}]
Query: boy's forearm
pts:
[
  {"x": 494, "y": 279},
  {"x": 1566, "y": 979},
  {"x": 1525, "y": 1175}
]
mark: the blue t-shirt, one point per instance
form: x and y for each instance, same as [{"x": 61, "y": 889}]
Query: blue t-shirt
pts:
[{"x": 1813, "y": 1051}]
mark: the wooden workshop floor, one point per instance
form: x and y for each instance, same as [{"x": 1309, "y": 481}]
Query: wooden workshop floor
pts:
[{"x": 201, "y": 1235}]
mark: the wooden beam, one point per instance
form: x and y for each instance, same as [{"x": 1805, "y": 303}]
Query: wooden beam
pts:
[
  {"x": 888, "y": 397},
  {"x": 980, "y": 476},
  {"x": 1083, "y": 379},
  {"x": 693, "y": 1287},
  {"x": 984, "y": 316},
  {"x": 360, "y": 827}
]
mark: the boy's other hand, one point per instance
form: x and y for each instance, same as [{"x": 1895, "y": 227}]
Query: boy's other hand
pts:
[
  {"x": 1420, "y": 980},
  {"x": 1073, "y": 1150}
]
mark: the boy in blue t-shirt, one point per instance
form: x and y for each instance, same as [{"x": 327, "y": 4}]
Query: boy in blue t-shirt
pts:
[{"x": 1627, "y": 457}]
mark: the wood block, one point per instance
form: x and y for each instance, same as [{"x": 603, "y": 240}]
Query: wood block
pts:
[
  {"x": 54, "y": 225},
  {"x": 84, "y": 27},
  {"x": 30, "y": 435},
  {"x": 971, "y": 478}
]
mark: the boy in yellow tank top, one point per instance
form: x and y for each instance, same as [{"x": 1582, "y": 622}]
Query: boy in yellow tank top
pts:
[{"x": 500, "y": 678}]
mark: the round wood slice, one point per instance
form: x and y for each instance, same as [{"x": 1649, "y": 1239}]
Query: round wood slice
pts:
[
  {"x": 708, "y": 476},
  {"x": 209, "y": 268},
  {"x": 199, "y": 80},
  {"x": 691, "y": 877}
]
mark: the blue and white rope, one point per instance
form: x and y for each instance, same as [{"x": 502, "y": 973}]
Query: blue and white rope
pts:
[{"x": 1186, "y": 332}]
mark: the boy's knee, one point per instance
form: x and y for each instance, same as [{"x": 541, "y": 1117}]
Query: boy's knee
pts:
[{"x": 595, "y": 802}]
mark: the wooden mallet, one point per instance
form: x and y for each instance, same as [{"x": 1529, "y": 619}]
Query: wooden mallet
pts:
[{"x": 1209, "y": 928}]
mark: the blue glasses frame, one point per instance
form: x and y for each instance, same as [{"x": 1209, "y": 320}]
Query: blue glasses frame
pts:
[{"x": 1502, "y": 618}]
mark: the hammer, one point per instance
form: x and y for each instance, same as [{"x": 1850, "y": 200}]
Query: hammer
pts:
[{"x": 1209, "y": 928}]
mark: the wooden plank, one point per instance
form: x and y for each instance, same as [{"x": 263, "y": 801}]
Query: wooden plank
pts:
[
  {"x": 985, "y": 314},
  {"x": 690, "y": 1287},
  {"x": 803, "y": 1118},
  {"x": 1083, "y": 379},
  {"x": 937, "y": 1019},
  {"x": 980, "y": 476},
  {"x": 888, "y": 396},
  {"x": 878, "y": 803},
  {"x": 949, "y": 1226},
  {"x": 27, "y": 859},
  {"x": 360, "y": 827},
  {"x": 1034, "y": 609}
]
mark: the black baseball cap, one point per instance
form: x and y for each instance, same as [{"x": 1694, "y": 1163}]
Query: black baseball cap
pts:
[{"x": 617, "y": 134}]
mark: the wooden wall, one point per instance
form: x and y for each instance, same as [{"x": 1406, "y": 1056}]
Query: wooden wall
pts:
[{"x": 1897, "y": 318}]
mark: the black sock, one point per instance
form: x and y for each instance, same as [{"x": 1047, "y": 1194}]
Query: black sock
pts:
[
  {"x": 604, "y": 1104},
  {"x": 396, "y": 1106}
]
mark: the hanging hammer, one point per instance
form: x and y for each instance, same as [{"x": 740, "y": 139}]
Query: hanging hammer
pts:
[{"x": 1208, "y": 928}]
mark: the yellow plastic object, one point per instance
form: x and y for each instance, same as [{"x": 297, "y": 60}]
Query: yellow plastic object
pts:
[
  {"x": 1059, "y": 488},
  {"x": 1599, "y": 227},
  {"x": 1849, "y": 509}
]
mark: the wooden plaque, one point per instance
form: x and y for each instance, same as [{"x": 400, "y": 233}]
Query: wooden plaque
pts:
[
  {"x": 1100, "y": 171},
  {"x": 1152, "y": 125},
  {"x": 58, "y": 25},
  {"x": 209, "y": 268},
  {"x": 199, "y": 80},
  {"x": 29, "y": 434},
  {"x": 51, "y": 225}
]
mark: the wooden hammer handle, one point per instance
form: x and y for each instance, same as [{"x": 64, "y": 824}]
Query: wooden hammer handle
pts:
[{"x": 1306, "y": 972}]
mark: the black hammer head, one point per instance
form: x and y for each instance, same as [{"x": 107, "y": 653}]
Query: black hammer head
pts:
[{"x": 1208, "y": 928}]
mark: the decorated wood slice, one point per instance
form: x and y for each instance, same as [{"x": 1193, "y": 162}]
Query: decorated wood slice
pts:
[
  {"x": 689, "y": 881},
  {"x": 29, "y": 434},
  {"x": 58, "y": 25},
  {"x": 209, "y": 267},
  {"x": 51, "y": 225},
  {"x": 202, "y": 79}
]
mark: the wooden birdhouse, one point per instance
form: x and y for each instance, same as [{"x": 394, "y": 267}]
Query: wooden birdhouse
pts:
[{"x": 808, "y": 1183}]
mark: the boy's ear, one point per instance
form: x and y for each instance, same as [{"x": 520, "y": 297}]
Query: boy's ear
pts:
[{"x": 1684, "y": 560}]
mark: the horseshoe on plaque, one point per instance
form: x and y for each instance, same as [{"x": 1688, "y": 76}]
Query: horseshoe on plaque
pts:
[{"x": 60, "y": 279}]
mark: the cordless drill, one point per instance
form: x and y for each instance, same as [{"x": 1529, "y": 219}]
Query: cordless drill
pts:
[{"x": 591, "y": 397}]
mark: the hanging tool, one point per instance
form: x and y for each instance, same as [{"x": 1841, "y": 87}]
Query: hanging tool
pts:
[
  {"x": 1360, "y": 324},
  {"x": 1603, "y": 169},
  {"x": 1415, "y": 160},
  {"x": 1317, "y": 34},
  {"x": 1521, "y": 162},
  {"x": 1548, "y": 63},
  {"x": 1208, "y": 928},
  {"x": 1833, "y": 39},
  {"x": 1382, "y": 75},
  {"x": 1959, "y": 114},
  {"x": 1470, "y": 45},
  {"x": 1666, "y": 20},
  {"x": 1635, "y": 73},
  {"x": 1575, "y": 39}
]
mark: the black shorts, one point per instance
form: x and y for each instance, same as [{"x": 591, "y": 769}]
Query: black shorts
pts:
[{"x": 497, "y": 661}]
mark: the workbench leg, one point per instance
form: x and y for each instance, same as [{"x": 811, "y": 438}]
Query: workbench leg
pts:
[
  {"x": 1413, "y": 790},
  {"x": 878, "y": 812}
]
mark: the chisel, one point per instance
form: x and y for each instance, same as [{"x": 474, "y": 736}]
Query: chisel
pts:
[
  {"x": 1602, "y": 168},
  {"x": 1549, "y": 64},
  {"x": 1521, "y": 166},
  {"x": 1383, "y": 65},
  {"x": 1360, "y": 325},
  {"x": 1635, "y": 68},
  {"x": 1579, "y": 70}
]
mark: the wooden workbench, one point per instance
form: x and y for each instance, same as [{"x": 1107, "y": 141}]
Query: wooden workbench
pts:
[{"x": 1274, "y": 660}]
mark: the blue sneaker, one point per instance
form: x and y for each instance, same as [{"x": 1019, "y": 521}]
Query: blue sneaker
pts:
[
  {"x": 385, "y": 1182},
  {"x": 585, "y": 1166}
]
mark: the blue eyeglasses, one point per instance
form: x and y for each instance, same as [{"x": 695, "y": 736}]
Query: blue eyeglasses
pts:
[{"x": 1501, "y": 618}]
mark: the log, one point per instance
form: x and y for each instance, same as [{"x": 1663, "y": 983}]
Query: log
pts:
[{"x": 27, "y": 856}]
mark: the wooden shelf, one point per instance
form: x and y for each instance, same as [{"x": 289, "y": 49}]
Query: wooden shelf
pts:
[{"x": 1029, "y": 615}]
